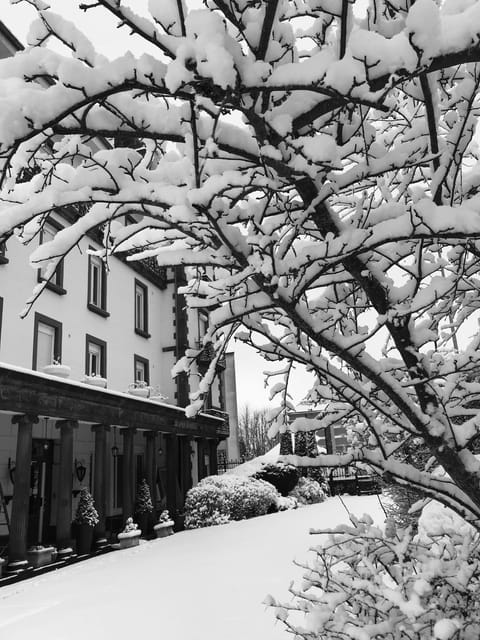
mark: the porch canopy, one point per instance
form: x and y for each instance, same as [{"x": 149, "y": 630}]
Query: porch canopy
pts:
[{"x": 29, "y": 392}]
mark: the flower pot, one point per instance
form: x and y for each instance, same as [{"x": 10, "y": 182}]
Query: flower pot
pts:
[
  {"x": 129, "y": 539},
  {"x": 142, "y": 519},
  {"x": 158, "y": 398},
  {"x": 84, "y": 538},
  {"x": 140, "y": 392},
  {"x": 60, "y": 370},
  {"x": 39, "y": 557},
  {"x": 164, "y": 529},
  {"x": 95, "y": 381}
]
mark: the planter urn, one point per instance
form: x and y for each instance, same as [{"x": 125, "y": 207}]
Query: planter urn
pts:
[
  {"x": 60, "y": 370},
  {"x": 84, "y": 538},
  {"x": 141, "y": 392},
  {"x": 95, "y": 381},
  {"x": 164, "y": 529},
  {"x": 129, "y": 539},
  {"x": 40, "y": 556},
  {"x": 143, "y": 521}
]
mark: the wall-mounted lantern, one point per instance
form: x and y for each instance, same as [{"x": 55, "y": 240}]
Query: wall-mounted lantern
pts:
[
  {"x": 11, "y": 470},
  {"x": 80, "y": 470}
]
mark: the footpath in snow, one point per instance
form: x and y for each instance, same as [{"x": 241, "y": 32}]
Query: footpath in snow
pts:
[{"x": 205, "y": 584}]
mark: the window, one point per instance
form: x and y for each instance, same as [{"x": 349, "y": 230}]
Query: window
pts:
[
  {"x": 55, "y": 283},
  {"x": 97, "y": 286},
  {"x": 141, "y": 309},
  {"x": 142, "y": 369},
  {"x": 95, "y": 357},
  {"x": 202, "y": 325},
  {"x": 47, "y": 341},
  {"x": 3, "y": 251}
]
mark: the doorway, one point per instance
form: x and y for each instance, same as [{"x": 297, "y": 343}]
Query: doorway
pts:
[{"x": 40, "y": 491}]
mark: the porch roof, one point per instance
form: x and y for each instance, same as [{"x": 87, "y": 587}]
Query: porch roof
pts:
[{"x": 26, "y": 391}]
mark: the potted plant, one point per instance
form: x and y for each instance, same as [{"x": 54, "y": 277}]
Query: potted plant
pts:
[
  {"x": 57, "y": 369},
  {"x": 143, "y": 506},
  {"x": 156, "y": 395},
  {"x": 140, "y": 389},
  {"x": 39, "y": 556},
  {"x": 86, "y": 517},
  {"x": 130, "y": 535},
  {"x": 95, "y": 381},
  {"x": 165, "y": 525}
]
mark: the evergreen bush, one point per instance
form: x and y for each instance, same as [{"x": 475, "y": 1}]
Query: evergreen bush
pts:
[
  {"x": 143, "y": 502},
  {"x": 86, "y": 512},
  {"x": 219, "y": 499},
  {"x": 307, "y": 491},
  {"x": 284, "y": 477}
]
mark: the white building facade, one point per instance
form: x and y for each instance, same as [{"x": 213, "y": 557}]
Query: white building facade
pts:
[{"x": 120, "y": 325}]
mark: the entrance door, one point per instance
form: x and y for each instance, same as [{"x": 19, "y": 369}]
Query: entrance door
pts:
[{"x": 40, "y": 491}]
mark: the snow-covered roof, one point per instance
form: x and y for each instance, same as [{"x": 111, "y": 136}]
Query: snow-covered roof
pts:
[{"x": 110, "y": 392}]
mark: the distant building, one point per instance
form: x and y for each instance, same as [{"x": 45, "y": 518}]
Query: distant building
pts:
[
  {"x": 127, "y": 324},
  {"x": 331, "y": 439}
]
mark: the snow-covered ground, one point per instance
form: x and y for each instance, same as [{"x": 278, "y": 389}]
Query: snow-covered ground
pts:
[{"x": 206, "y": 584}]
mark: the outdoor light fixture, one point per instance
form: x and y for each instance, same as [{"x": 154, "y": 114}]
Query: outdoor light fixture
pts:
[
  {"x": 80, "y": 470},
  {"x": 114, "y": 448},
  {"x": 11, "y": 470}
]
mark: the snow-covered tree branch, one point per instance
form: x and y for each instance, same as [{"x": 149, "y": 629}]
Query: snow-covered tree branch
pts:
[{"x": 315, "y": 166}]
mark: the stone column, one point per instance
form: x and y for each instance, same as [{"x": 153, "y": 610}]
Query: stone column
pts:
[
  {"x": 65, "y": 487},
  {"x": 151, "y": 462},
  {"x": 100, "y": 481},
  {"x": 171, "y": 441},
  {"x": 186, "y": 465},
  {"x": 213, "y": 456},
  {"x": 201, "y": 458},
  {"x": 128, "y": 479},
  {"x": 17, "y": 543}
]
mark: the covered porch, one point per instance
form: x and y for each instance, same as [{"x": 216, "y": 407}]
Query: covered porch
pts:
[{"x": 57, "y": 435}]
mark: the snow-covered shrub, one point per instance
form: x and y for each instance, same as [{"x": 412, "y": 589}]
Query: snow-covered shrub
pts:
[
  {"x": 366, "y": 583},
  {"x": 86, "y": 512},
  {"x": 143, "y": 501},
  {"x": 219, "y": 499},
  {"x": 283, "y": 476},
  {"x": 130, "y": 526},
  {"x": 206, "y": 505},
  {"x": 285, "y": 503},
  {"x": 308, "y": 491}
]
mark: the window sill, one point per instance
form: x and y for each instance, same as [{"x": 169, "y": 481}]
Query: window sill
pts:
[
  {"x": 51, "y": 286},
  {"x": 142, "y": 333},
  {"x": 95, "y": 309}
]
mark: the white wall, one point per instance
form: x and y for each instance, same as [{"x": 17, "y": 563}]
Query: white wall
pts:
[{"x": 17, "y": 280}]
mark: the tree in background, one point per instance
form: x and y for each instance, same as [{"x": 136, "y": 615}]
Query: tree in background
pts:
[
  {"x": 325, "y": 175},
  {"x": 253, "y": 428}
]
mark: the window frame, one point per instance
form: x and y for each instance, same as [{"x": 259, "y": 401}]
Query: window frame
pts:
[
  {"x": 1, "y": 319},
  {"x": 146, "y": 364},
  {"x": 141, "y": 331},
  {"x": 89, "y": 339},
  {"x": 39, "y": 318},
  {"x": 102, "y": 309},
  {"x": 3, "y": 251},
  {"x": 55, "y": 283}
]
